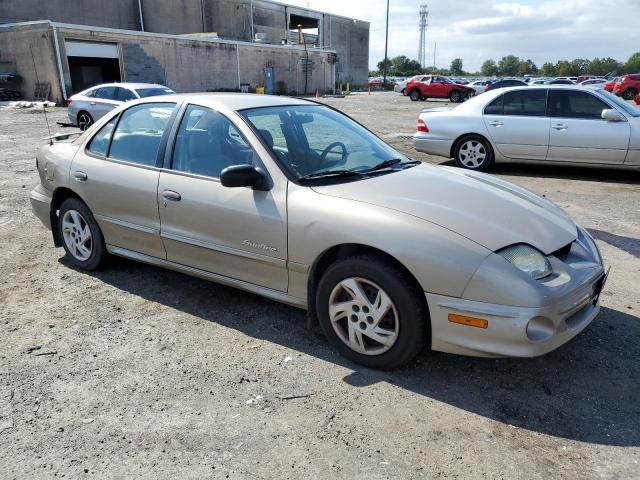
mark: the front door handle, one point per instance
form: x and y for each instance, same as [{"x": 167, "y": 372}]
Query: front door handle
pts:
[
  {"x": 495, "y": 123},
  {"x": 559, "y": 126},
  {"x": 92, "y": 103},
  {"x": 171, "y": 195},
  {"x": 80, "y": 176}
]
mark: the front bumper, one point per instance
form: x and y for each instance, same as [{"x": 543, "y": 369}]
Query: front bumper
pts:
[
  {"x": 41, "y": 204},
  {"x": 523, "y": 318},
  {"x": 507, "y": 333}
]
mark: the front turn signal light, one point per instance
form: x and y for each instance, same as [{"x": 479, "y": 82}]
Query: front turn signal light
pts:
[{"x": 469, "y": 321}]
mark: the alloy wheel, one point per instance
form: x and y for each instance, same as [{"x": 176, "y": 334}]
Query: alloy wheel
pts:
[
  {"x": 455, "y": 96},
  {"x": 84, "y": 121},
  {"x": 472, "y": 154},
  {"x": 363, "y": 316},
  {"x": 77, "y": 235}
]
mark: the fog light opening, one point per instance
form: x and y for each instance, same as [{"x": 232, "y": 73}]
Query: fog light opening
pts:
[{"x": 540, "y": 329}]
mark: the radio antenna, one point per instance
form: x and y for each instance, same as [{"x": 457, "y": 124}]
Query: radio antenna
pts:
[{"x": 44, "y": 105}]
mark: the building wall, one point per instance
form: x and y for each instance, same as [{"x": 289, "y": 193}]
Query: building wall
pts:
[
  {"x": 19, "y": 44},
  {"x": 182, "y": 64},
  {"x": 99, "y": 13},
  {"x": 231, "y": 19}
]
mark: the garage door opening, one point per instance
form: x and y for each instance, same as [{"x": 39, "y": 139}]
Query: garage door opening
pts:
[
  {"x": 304, "y": 30},
  {"x": 92, "y": 64}
]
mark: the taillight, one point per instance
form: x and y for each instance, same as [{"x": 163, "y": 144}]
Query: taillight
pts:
[
  {"x": 68, "y": 101},
  {"x": 421, "y": 126}
]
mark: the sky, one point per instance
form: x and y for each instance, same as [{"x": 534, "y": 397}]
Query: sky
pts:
[{"x": 540, "y": 30}]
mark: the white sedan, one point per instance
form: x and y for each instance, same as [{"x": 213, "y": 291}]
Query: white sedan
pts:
[
  {"x": 555, "y": 123},
  {"x": 480, "y": 86},
  {"x": 594, "y": 82}
]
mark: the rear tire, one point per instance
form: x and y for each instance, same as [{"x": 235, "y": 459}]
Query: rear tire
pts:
[
  {"x": 349, "y": 304},
  {"x": 414, "y": 95},
  {"x": 629, "y": 93},
  {"x": 474, "y": 152},
  {"x": 85, "y": 120},
  {"x": 81, "y": 236}
]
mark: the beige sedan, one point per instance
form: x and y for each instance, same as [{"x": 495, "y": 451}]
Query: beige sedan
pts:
[{"x": 295, "y": 201}]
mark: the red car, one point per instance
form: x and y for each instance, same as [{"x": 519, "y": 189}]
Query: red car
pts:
[
  {"x": 628, "y": 87},
  {"x": 422, "y": 87},
  {"x": 637, "y": 99},
  {"x": 609, "y": 86}
]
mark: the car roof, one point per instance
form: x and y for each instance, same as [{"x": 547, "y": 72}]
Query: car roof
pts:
[
  {"x": 231, "y": 101},
  {"x": 128, "y": 85}
]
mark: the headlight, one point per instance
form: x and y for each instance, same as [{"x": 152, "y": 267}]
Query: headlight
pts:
[{"x": 527, "y": 259}]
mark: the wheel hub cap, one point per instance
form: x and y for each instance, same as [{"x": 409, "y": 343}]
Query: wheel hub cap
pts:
[
  {"x": 363, "y": 316},
  {"x": 472, "y": 154},
  {"x": 77, "y": 235}
]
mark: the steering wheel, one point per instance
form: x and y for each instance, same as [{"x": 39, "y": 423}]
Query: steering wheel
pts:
[{"x": 327, "y": 150}]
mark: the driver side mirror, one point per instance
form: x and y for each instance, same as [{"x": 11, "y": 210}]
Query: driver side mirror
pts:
[
  {"x": 244, "y": 176},
  {"x": 611, "y": 115}
]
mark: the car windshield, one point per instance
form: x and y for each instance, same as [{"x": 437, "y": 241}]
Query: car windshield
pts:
[
  {"x": 311, "y": 140},
  {"x": 628, "y": 108},
  {"x": 153, "y": 91}
]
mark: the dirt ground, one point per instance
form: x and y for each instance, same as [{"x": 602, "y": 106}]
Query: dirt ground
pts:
[{"x": 146, "y": 373}]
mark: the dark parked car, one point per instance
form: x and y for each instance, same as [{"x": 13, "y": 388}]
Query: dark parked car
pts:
[
  {"x": 505, "y": 83},
  {"x": 560, "y": 81}
]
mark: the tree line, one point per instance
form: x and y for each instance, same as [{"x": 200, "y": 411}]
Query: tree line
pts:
[{"x": 513, "y": 66}]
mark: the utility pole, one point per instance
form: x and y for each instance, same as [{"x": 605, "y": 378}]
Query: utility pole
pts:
[
  {"x": 435, "y": 45},
  {"x": 422, "y": 47},
  {"x": 386, "y": 44}
]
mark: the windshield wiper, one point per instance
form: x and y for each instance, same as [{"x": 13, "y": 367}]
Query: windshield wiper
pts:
[
  {"x": 387, "y": 164},
  {"x": 330, "y": 174}
]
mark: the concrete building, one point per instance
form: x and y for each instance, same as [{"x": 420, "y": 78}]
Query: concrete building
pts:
[{"x": 188, "y": 45}]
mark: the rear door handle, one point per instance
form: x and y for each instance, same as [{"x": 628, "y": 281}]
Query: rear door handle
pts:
[
  {"x": 559, "y": 127},
  {"x": 92, "y": 103},
  {"x": 495, "y": 123},
  {"x": 171, "y": 195},
  {"x": 80, "y": 176}
]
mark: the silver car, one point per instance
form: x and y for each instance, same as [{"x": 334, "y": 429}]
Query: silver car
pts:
[
  {"x": 546, "y": 123},
  {"x": 90, "y": 105},
  {"x": 295, "y": 201}
]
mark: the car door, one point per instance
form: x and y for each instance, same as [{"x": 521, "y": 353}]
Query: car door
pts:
[
  {"x": 235, "y": 232},
  {"x": 518, "y": 124},
  {"x": 116, "y": 173},
  {"x": 579, "y": 134},
  {"x": 438, "y": 88},
  {"x": 103, "y": 101}
]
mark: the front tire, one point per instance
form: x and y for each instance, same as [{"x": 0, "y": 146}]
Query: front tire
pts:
[
  {"x": 629, "y": 93},
  {"x": 81, "y": 236},
  {"x": 473, "y": 152},
  {"x": 372, "y": 312},
  {"x": 455, "y": 96}
]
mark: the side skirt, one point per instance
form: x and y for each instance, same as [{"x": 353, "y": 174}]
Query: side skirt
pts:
[{"x": 195, "y": 272}]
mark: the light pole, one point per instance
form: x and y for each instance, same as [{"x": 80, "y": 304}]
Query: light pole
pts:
[{"x": 386, "y": 44}]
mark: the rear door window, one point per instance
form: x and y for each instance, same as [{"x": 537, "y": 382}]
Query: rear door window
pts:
[
  {"x": 100, "y": 142},
  {"x": 529, "y": 103},
  {"x": 139, "y": 133},
  {"x": 495, "y": 107},
  {"x": 574, "y": 104},
  {"x": 107, "y": 93}
]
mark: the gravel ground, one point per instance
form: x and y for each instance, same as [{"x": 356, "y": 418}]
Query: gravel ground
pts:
[{"x": 146, "y": 373}]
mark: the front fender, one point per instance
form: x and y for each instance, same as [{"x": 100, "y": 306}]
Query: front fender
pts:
[{"x": 442, "y": 261}]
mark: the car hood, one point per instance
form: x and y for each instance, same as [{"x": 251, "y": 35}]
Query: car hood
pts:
[{"x": 482, "y": 208}]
